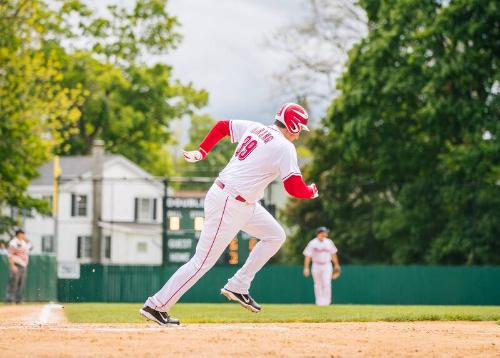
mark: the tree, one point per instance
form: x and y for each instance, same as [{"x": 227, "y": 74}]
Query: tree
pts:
[
  {"x": 34, "y": 103},
  {"x": 129, "y": 102},
  {"x": 408, "y": 161},
  {"x": 315, "y": 50},
  {"x": 69, "y": 76}
]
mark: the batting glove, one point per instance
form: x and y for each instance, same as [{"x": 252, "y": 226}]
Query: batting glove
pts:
[
  {"x": 314, "y": 189},
  {"x": 193, "y": 156}
]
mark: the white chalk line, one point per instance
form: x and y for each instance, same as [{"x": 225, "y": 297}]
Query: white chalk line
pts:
[
  {"x": 78, "y": 328},
  {"x": 44, "y": 317},
  {"x": 47, "y": 322},
  {"x": 142, "y": 329}
]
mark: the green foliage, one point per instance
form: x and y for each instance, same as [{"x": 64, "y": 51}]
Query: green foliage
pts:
[
  {"x": 69, "y": 76},
  {"x": 129, "y": 104},
  {"x": 130, "y": 109},
  {"x": 34, "y": 102},
  {"x": 408, "y": 163}
]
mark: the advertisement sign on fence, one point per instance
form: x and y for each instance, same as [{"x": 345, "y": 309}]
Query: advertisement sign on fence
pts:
[{"x": 68, "y": 270}]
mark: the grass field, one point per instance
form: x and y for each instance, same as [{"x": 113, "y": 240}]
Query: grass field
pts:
[{"x": 233, "y": 313}]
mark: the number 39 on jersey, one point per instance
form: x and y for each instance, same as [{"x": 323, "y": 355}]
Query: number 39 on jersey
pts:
[{"x": 246, "y": 147}]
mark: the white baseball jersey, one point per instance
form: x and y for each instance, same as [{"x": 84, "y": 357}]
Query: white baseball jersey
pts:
[
  {"x": 262, "y": 155},
  {"x": 320, "y": 251}
]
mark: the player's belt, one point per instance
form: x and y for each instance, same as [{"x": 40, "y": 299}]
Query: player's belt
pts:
[{"x": 222, "y": 186}]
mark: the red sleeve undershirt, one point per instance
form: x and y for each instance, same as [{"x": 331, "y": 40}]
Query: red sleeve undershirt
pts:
[
  {"x": 295, "y": 186},
  {"x": 219, "y": 131}
]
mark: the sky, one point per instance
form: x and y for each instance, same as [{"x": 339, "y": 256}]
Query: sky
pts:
[{"x": 224, "y": 51}]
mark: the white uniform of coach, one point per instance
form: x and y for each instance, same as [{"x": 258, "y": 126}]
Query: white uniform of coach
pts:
[{"x": 322, "y": 252}]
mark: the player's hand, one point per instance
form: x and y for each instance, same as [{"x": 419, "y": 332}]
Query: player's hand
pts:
[
  {"x": 314, "y": 189},
  {"x": 193, "y": 156},
  {"x": 336, "y": 273},
  {"x": 306, "y": 272},
  {"x": 13, "y": 268}
]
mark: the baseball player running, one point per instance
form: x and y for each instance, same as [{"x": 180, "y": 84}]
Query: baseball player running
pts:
[
  {"x": 322, "y": 251},
  {"x": 232, "y": 204}
]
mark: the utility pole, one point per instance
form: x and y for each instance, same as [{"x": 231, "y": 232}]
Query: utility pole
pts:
[
  {"x": 55, "y": 202},
  {"x": 164, "y": 223},
  {"x": 97, "y": 174}
]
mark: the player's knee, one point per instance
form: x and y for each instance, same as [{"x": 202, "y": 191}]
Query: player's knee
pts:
[
  {"x": 205, "y": 264},
  {"x": 198, "y": 262},
  {"x": 200, "y": 265},
  {"x": 280, "y": 235}
]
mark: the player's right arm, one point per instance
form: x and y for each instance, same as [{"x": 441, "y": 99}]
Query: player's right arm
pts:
[
  {"x": 223, "y": 128},
  {"x": 307, "y": 263},
  {"x": 307, "y": 259},
  {"x": 12, "y": 263}
]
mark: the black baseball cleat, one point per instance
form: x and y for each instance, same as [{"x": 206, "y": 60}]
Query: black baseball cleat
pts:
[
  {"x": 243, "y": 299},
  {"x": 162, "y": 318}
]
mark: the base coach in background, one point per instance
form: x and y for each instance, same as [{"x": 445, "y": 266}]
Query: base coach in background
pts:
[{"x": 18, "y": 252}]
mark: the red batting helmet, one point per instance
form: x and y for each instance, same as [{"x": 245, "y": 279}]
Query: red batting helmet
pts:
[{"x": 293, "y": 116}]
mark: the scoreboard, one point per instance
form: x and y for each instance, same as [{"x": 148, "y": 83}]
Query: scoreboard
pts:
[{"x": 184, "y": 221}]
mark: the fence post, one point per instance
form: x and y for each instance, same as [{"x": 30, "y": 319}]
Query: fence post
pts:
[{"x": 164, "y": 223}]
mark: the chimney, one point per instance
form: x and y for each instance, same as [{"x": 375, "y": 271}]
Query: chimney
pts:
[{"x": 97, "y": 174}]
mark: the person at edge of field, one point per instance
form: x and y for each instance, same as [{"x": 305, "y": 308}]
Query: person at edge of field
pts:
[
  {"x": 232, "y": 204},
  {"x": 322, "y": 252},
  {"x": 18, "y": 252}
]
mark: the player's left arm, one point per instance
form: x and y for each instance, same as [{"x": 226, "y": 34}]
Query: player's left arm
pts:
[
  {"x": 223, "y": 128},
  {"x": 336, "y": 266},
  {"x": 220, "y": 130}
]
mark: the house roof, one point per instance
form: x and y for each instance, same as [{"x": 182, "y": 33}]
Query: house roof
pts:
[{"x": 71, "y": 166}]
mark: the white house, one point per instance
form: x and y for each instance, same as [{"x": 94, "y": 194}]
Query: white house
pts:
[{"x": 129, "y": 220}]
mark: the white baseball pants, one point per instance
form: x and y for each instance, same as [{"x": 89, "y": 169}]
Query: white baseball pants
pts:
[
  {"x": 322, "y": 277},
  {"x": 224, "y": 218}
]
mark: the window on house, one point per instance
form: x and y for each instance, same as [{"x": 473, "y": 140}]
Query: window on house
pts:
[
  {"x": 174, "y": 223},
  {"x": 84, "y": 247},
  {"x": 47, "y": 243},
  {"x": 198, "y": 223},
  {"x": 78, "y": 205},
  {"x": 142, "y": 247},
  {"x": 145, "y": 209},
  {"x": 107, "y": 247}
]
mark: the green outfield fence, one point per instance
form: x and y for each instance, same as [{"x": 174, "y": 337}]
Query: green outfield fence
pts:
[
  {"x": 460, "y": 285},
  {"x": 426, "y": 285},
  {"x": 41, "y": 282}
]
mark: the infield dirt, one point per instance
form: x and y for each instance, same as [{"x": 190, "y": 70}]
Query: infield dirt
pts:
[{"x": 27, "y": 332}]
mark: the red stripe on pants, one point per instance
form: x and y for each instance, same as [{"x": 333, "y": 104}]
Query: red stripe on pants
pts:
[{"x": 205, "y": 259}]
